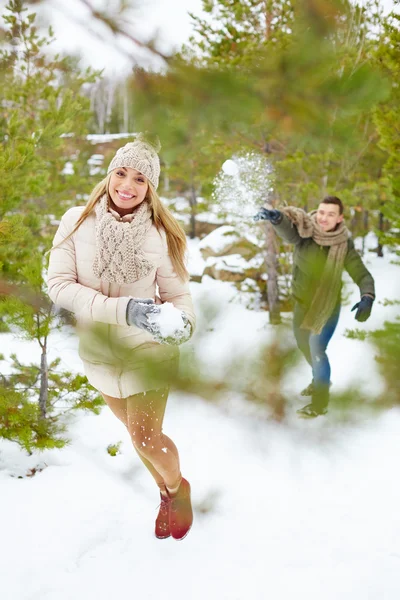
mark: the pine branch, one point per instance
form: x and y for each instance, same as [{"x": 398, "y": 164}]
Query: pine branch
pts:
[
  {"x": 24, "y": 294},
  {"x": 116, "y": 30}
]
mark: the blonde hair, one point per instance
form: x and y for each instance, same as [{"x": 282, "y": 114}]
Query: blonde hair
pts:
[{"x": 162, "y": 219}]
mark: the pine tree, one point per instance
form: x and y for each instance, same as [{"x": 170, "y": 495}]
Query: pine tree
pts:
[
  {"x": 387, "y": 120},
  {"x": 234, "y": 32},
  {"x": 233, "y": 35},
  {"x": 41, "y": 106},
  {"x": 275, "y": 88},
  {"x": 353, "y": 170}
]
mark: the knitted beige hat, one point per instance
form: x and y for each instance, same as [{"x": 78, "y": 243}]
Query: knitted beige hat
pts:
[{"x": 140, "y": 155}]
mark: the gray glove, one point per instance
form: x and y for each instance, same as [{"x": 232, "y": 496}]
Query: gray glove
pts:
[
  {"x": 137, "y": 311},
  {"x": 266, "y": 214},
  {"x": 179, "y": 337}
]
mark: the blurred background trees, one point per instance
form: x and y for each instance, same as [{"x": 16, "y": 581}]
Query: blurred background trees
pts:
[
  {"x": 309, "y": 89},
  {"x": 295, "y": 81}
]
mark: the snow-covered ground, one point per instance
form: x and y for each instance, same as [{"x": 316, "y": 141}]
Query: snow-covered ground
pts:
[{"x": 304, "y": 509}]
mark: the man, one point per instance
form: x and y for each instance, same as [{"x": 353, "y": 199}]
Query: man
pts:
[{"x": 322, "y": 250}]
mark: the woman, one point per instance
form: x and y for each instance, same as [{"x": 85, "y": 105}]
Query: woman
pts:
[{"x": 107, "y": 260}]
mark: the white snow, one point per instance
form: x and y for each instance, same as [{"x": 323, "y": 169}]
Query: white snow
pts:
[
  {"x": 169, "y": 319},
  {"x": 180, "y": 203},
  {"x": 209, "y": 217},
  {"x": 234, "y": 262},
  {"x": 219, "y": 238},
  {"x": 68, "y": 168},
  {"x": 300, "y": 509},
  {"x": 97, "y": 138},
  {"x": 195, "y": 263}
]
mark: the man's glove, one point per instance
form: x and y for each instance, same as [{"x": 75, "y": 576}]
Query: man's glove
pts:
[
  {"x": 364, "y": 308},
  {"x": 137, "y": 311},
  {"x": 180, "y": 336},
  {"x": 266, "y": 214}
]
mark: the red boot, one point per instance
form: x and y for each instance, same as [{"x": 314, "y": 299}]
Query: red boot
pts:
[
  {"x": 180, "y": 512},
  {"x": 162, "y": 521}
]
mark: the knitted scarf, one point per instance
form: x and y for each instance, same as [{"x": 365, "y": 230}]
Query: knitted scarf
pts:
[
  {"x": 119, "y": 257},
  {"x": 326, "y": 294}
]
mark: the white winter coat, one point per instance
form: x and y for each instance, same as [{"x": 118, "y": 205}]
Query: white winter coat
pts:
[{"x": 115, "y": 371}]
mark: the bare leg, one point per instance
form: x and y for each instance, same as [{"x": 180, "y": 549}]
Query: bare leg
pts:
[
  {"x": 118, "y": 407},
  {"x": 145, "y": 418}
]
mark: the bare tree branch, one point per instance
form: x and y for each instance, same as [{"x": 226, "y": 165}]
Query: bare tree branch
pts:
[{"x": 115, "y": 28}]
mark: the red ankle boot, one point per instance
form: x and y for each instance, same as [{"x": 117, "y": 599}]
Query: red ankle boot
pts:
[
  {"x": 162, "y": 521},
  {"x": 180, "y": 512}
]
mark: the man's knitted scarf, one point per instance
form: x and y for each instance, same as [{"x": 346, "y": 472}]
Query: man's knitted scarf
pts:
[
  {"x": 326, "y": 294},
  {"x": 119, "y": 256}
]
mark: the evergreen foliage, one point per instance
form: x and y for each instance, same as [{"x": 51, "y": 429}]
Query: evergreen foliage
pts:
[
  {"x": 21, "y": 418},
  {"x": 289, "y": 80},
  {"x": 387, "y": 344},
  {"x": 41, "y": 105},
  {"x": 114, "y": 449},
  {"x": 387, "y": 120},
  {"x": 308, "y": 87}
]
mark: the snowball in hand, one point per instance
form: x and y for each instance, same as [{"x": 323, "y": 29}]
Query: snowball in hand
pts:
[{"x": 169, "y": 320}]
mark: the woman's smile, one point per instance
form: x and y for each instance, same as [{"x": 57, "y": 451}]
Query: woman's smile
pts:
[{"x": 125, "y": 195}]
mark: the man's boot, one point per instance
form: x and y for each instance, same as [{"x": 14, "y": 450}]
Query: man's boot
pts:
[
  {"x": 318, "y": 405},
  {"x": 308, "y": 391}
]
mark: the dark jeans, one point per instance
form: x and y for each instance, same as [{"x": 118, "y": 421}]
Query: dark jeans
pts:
[{"x": 313, "y": 346}]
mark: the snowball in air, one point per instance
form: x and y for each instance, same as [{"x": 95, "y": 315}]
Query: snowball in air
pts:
[{"x": 230, "y": 167}]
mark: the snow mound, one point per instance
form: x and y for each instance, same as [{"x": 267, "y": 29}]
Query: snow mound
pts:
[
  {"x": 219, "y": 238},
  {"x": 169, "y": 320}
]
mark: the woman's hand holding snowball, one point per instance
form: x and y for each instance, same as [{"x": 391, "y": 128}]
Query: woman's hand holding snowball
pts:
[
  {"x": 172, "y": 326},
  {"x": 137, "y": 313}
]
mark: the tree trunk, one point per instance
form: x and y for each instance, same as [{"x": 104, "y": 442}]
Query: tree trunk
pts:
[
  {"x": 193, "y": 206},
  {"x": 165, "y": 172},
  {"x": 324, "y": 184},
  {"x": 126, "y": 109},
  {"x": 110, "y": 103},
  {"x": 269, "y": 15},
  {"x": 271, "y": 259},
  {"x": 366, "y": 220},
  {"x": 365, "y": 228},
  {"x": 380, "y": 227},
  {"x": 44, "y": 381}
]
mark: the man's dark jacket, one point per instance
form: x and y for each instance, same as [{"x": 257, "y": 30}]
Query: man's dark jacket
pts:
[{"x": 309, "y": 260}]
